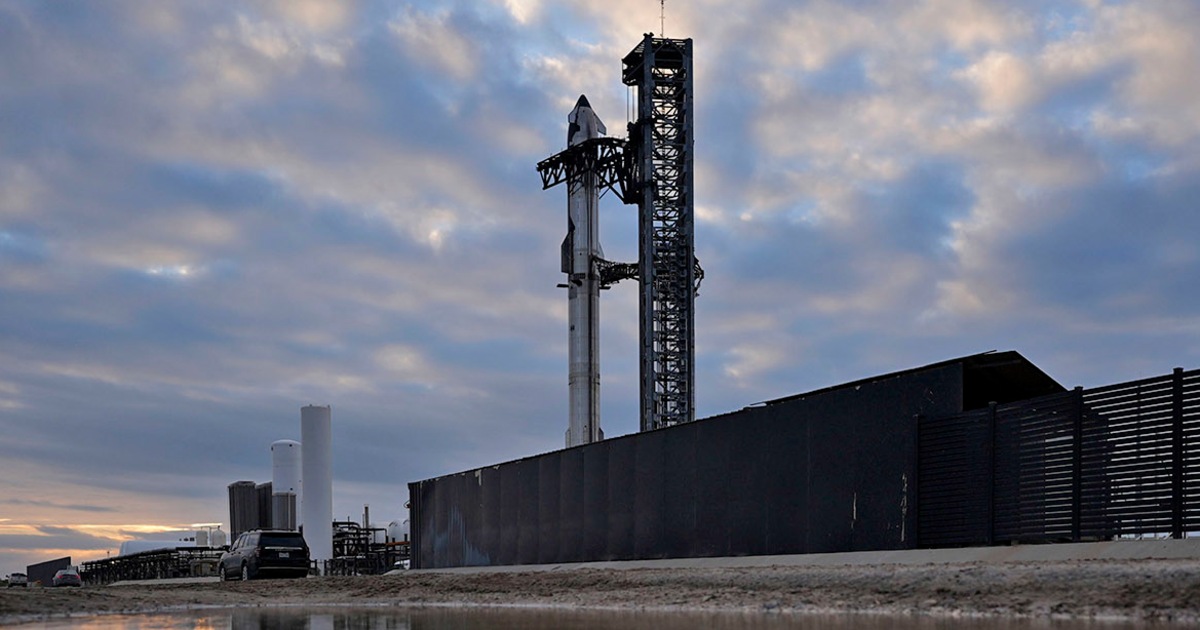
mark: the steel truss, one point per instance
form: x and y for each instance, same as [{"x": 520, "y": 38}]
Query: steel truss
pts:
[
  {"x": 603, "y": 156},
  {"x": 607, "y": 160},
  {"x": 661, "y": 183}
]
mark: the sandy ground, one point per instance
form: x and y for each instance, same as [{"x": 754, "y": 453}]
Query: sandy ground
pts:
[{"x": 1162, "y": 590}]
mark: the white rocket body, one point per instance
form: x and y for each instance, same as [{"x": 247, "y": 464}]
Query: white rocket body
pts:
[{"x": 580, "y": 249}]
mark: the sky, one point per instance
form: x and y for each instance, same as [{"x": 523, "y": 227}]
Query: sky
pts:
[{"x": 213, "y": 214}]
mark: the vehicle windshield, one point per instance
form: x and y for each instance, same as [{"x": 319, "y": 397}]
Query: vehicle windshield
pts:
[{"x": 281, "y": 540}]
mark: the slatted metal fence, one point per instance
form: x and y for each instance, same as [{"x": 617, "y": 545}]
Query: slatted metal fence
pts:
[{"x": 1098, "y": 464}]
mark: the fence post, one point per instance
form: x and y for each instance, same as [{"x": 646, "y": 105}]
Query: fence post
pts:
[
  {"x": 1177, "y": 459},
  {"x": 1077, "y": 467},
  {"x": 991, "y": 455}
]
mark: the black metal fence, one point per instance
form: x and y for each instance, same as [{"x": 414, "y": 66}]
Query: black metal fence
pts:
[{"x": 1098, "y": 464}]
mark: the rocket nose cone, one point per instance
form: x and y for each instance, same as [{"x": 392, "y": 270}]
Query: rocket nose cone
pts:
[{"x": 583, "y": 123}]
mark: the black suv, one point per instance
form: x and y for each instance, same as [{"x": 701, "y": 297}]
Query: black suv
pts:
[{"x": 265, "y": 552}]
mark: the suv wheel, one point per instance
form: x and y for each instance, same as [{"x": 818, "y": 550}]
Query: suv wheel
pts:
[
  {"x": 221, "y": 573},
  {"x": 245, "y": 572}
]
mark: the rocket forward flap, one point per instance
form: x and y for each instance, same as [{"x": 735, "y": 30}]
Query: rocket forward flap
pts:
[{"x": 568, "y": 246}]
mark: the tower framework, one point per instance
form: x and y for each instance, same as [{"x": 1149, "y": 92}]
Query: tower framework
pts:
[{"x": 661, "y": 142}]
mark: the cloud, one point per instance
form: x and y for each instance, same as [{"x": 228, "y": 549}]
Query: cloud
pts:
[
  {"x": 55, "y": 538},
  {"x": 418, "y": 33},
  {"x": 59, "y": 506},
  {"x": 1004, "y": 82}
]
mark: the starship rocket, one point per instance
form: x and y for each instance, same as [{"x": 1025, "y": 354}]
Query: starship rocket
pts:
[{"x": 580, "y": 250}]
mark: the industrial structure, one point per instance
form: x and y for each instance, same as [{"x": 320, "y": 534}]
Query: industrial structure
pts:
[
  {"x": 154, "y": 564},
  {"x": 301, "y": 472},
  {"x": 661, "y": 143},
  {"x": 181, "y": 553},
  {"x": 984, "y": 449},
  {"x": 263, "y": 492},
  {"x": 243, "y": 508},
  {"x": 301, "y": 485},
  {"x": 285, "y": 484},
  {"x": 654, "y": 170},
  {"x": 366, "y": 549},
  {"x": 272, "y": 504},
  {"x": 358, "y": 549},
  {"x": 316, "y": 479}
]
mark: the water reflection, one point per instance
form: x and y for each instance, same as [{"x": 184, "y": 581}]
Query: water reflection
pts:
[{"x": 539, "y": 619}]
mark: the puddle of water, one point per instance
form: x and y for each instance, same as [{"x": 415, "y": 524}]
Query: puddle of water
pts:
[{"x": 535, "y": 619}]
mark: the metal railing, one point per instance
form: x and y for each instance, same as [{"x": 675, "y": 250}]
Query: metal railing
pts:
[
  {"x": 1111, "y": 462},
  {"x": 156, "y": 564}
]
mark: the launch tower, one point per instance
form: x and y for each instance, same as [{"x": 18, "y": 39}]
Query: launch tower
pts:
[{"x": 661, "y": 184}]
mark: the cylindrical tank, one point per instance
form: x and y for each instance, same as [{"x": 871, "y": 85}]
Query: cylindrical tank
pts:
[
  {"x": 201, "y": 537},
  {"x": 283, "y": 511},
  {"x": 316, "y": 477},
  {"x": 243, "y": 507},
  {"x": 397, "y": 531},
  {"x": 285, "y": 467},
  {"x": 216, "y": 538}
]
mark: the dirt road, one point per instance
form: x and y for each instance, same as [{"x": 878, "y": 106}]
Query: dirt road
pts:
[{"x": 1166, "y": 590}]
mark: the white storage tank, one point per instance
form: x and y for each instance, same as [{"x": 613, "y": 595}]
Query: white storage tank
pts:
[
  {"x": 397, "y": 531},
  {"x": 285, "y": 467},
  {"x": 217, "y": 538},
  {"x": 316, "y": 478}
]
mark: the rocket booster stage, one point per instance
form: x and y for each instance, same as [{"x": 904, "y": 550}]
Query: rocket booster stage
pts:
[{"x": 580, "y": 249}]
